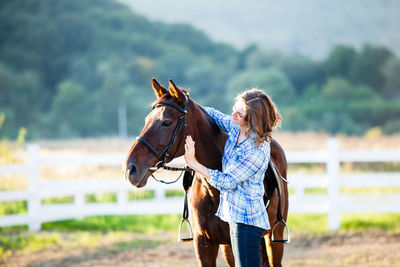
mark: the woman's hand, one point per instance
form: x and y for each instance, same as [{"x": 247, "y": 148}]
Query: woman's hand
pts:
[
  {"x": 191, "y": 160},
  {"x": 189, "y": 151}
]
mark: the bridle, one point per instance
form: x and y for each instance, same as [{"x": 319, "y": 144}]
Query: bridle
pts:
[{"x": 165, "y": 153}]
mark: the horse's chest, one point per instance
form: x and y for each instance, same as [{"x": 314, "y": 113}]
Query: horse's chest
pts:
[{"x": 205, "y": 223}]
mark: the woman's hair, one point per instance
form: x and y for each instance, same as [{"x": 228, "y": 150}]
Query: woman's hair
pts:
[{"x": 261, "y": 114}]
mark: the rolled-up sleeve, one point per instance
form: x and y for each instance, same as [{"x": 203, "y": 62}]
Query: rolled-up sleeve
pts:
[
  {"x": 242, "y": 169},
  {"x": 222, "y": 120}
]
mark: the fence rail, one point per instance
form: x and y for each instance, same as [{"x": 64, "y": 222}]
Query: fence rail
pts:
[{"x": 332, "y": 181}]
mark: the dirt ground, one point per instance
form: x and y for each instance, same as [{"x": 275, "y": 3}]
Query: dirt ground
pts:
[{"x": 372, "y": 248}]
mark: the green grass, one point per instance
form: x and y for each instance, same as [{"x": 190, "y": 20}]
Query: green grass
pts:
[
  {"x": 140, "y": 195},
  {"x": 89, "y": 233},
  {"x": 21, "y": 240},
  {"x": 93, "y": 242},
  {"x": 346, "y": 167},
  {"x": 349, "y": 167},
  {"x": 316, "y": 190},
  {"x": 351, "y": 190},
  {"x": 366, "y": 221},
  {"x": 174, "y": 193},
  {"x": 58, "y": 200},
  {"x": 308, "y": 223},
  {"x": 130, "y": 223},
  {"x": 101, "y": 198},
  {"x": 306, "y": 167},
  {"x": 318, "y": 223},
  {"x": 13, "y": 207}
]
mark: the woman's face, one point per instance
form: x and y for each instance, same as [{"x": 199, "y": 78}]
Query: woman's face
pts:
[{"x": 239, "y": 113}]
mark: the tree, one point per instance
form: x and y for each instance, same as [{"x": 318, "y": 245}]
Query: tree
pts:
[
  {"x": 71, "y": 112},
  {"x": 300, "y": 70},
  {"x": 20, "y": 99},
  {"x": 339, "y": 61},
  {"x": 272, "y": 80},
  {"x": 367, "y": 67},
  {"x": 340, "y": 90},
  {"x": 391, "y": 71}
]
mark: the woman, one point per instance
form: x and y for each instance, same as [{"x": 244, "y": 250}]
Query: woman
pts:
[{"x": 244, "y": 162}]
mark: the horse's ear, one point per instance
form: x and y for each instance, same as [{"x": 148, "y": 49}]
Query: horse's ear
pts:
[
  {"x": 176, "y": 92},
  {"x": 159, "y": 90}
]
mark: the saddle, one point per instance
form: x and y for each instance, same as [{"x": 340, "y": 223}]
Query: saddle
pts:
[{"x": 271, "y": 181}]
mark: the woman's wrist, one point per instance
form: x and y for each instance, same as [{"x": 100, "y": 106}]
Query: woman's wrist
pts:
[{"x": 200, "y": 168}]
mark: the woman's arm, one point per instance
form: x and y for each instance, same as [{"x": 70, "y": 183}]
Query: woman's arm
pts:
[
  {"x": 191, "y": 161},
  {"x": 242, "y": 169},
  {"x": 223, "y": 121}
]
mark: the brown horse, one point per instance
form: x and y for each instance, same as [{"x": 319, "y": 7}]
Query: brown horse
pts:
[{"x": 175, "y": 116}]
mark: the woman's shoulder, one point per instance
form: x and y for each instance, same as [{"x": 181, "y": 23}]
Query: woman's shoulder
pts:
[{"x": 263, "y": 148}]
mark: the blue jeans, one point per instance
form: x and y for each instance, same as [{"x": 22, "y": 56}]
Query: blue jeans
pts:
[{"x": 245, "y": 241}]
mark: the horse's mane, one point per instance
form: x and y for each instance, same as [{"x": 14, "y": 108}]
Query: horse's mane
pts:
[{"x": 211, "y": 121}]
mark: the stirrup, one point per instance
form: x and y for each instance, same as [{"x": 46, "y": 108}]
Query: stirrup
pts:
[
  {"x": 190, "y": 238},
  {"x": 280, "y": 241}
]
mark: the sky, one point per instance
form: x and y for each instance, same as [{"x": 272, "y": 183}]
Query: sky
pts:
[{"x": 310, "y": 27}]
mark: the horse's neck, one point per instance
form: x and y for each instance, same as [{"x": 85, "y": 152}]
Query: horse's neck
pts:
[{"x": 211, "y": 142}]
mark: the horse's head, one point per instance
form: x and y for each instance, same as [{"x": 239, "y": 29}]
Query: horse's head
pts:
[{"x": 162, "y": 137}]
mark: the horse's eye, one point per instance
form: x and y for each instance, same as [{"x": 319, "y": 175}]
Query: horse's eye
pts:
[{"x": 166, "y": 123}]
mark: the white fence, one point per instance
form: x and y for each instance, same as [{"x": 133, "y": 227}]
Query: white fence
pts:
[{"x": 333, "y": 203}]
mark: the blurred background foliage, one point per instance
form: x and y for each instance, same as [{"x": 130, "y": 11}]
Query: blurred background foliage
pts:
[{"x": 67, "y": 66}]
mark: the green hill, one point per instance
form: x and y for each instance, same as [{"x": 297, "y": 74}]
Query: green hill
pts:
[
  {"x": 68, "y": 66},
  {"x": 105, "y": 52}
]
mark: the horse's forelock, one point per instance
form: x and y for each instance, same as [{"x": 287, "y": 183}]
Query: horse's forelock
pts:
[{"x": 164, "y": 97}]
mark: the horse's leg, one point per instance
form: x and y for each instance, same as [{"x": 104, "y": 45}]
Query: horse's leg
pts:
[
  {"x": 263, "y": 253},
  {"x": 270, "y": 255},
  {"x": 277, "y": 247},
  {"x": 228, "y": 255},
  {"x": 274, "y": 249},
  {"x": 206, "y": 253}
]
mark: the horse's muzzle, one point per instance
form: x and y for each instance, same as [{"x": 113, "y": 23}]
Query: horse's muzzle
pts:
[
  {"x": 130, "y": 173},
  {"x": 135, "y": 177}
]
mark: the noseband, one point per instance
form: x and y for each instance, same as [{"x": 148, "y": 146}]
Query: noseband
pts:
[{"x": 164, "y": 153}]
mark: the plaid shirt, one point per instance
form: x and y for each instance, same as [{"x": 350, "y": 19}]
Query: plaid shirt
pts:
[{"x": 241, "y": 180}]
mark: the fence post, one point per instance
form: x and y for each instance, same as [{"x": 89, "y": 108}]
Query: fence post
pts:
[
  {"x": 34, "y": 223},
  {"x": 333, "y": 171},
  {"x": 79, "y": 202},
  {"x": 160, "y": 194},
  {"x": 122, "y": 197}
]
